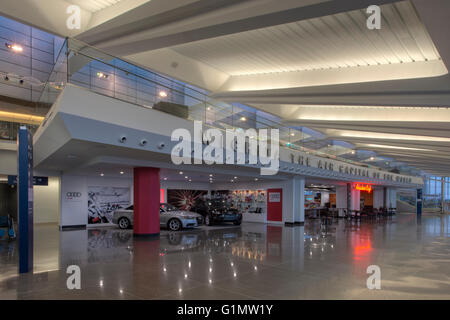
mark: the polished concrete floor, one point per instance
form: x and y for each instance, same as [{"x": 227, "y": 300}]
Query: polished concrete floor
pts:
[{"x": 253, "y": 261}]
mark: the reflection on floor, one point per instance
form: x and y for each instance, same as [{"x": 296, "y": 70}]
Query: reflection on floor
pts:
[{"x": 253, "y": 261}]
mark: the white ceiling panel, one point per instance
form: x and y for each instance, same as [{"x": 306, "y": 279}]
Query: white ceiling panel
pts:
[
  {"x": 336, "y": 41},
  {"x": 94, "y": 5}
]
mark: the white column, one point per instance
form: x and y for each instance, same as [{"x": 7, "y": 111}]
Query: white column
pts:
[
  {"x": 443, "y": 194},
  {"x": 378, "y": 198},
  {"x": 341, "y": 199},
  {"x": 299, "y": 194},
  {"x": 294, "y": 201},
  {"x": 391, "y": 198},
  {"x": 289, "y": 202},
  {"x": 355, "y": 199}
]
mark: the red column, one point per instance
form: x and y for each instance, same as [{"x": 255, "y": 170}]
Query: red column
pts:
[{"x": 146, "y": 201}]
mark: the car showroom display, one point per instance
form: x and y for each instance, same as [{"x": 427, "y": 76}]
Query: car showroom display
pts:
[
  {"x": 169, "y": 216},
  {"x": 217, "y": 211}
]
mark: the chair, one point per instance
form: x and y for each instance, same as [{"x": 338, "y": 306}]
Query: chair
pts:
[{"x": 7, "y": 222}]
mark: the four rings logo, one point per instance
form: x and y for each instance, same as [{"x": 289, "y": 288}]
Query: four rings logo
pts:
[{"x": 72, "y": 195}]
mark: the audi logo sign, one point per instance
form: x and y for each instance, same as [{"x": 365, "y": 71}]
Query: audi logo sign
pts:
[{"x": 73, "y": 195}]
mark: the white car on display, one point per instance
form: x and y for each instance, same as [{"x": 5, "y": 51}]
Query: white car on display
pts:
[{"x": 169, "y": 216}]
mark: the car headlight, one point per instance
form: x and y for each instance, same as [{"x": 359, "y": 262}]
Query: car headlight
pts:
[{"x": 188, "y": 217}]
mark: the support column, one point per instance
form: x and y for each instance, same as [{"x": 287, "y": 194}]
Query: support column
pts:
[
  {"x": 146, "y": 201},
  {"x": 443, "y": 194},
  {"x": 355, "y": 199},
  {"x": 391, "y": 198},
  {"x": 419, "y": 202},
  {"x": 294, "y": 210},
  {"x": 341, "y": 199},
  {"x": 299, "y": 209},
  {"x": 291, "y": 202},
  {"x": 378, "y": 197}
]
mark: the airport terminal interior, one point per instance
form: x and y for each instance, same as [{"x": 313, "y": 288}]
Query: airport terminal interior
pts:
[{"x": 224, "y": 149}]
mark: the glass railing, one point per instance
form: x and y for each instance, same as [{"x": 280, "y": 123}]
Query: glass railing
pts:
[
  {"x": 9, "y": 130},
  {"x": 88, "y": 67}
]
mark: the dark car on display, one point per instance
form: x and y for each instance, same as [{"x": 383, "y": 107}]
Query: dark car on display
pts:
[{"x": 217, "y": 211}]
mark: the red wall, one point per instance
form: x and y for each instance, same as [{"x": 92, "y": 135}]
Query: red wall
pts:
[{"x": 275, "y": 209}]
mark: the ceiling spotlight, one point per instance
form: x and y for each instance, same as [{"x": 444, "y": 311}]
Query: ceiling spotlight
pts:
[
  {"x": 210, "y": 175},
  {"x": 372, "y": 158},
  {"x": 102, "y": 75},
  {"x": 190, "y": 180},
  {"x": 165, "y": 178},
  {"x": 232, "y": 180},
  {"x": 186, "y": 177},
  {"x": 121, "y": 172},
  {"x": 256, "y": 179},
  {"x": 14, "y": 47},
  {"x": 102, "y": 174},
  {"x": 292, "y": 134},
  {"x": 162, "y": 94},
  {"x": 235, "y": 177},
  {"x": 243, "y": 119},
  {"x": 353, "y": 151},
  {"x": 181, "y": 172}
]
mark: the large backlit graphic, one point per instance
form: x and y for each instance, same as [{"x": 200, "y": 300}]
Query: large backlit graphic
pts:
[
  {"x": 184, "y": 199},
  {"x": 102, "y": 201}
]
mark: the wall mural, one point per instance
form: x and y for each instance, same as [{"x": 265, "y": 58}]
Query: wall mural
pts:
[
  {"x": 184, "y": 199},
  {"x": 102, "y": 201}
]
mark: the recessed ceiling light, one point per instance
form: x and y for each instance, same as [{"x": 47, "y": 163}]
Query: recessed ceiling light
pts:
[
  {"x": 243, "y": 119},
  {"x": 292, "y": 134},
  {"x": 14, "y": 47},
  {"x": 121, "y": 172},
  {"x": 210, "y": 175},
  {"x": 256, "y": 179},
  {"x": 102, "y": 174},
  {"x": 102, "y": 75},
  {"x": 392, "y": 136},
  {"x": 162, "y": 94},
  {"x": 395, "y": 147},
  {"x": 165, "y": 178},
  {"x": 186, "y": 177},
  {"x": 181, "y": 172}
]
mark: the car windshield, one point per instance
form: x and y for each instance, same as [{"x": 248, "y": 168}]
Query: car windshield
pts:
[{"x": 168, "y": 207}]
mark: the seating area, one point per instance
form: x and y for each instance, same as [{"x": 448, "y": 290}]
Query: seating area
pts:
[{"x": 327, "y": 215}]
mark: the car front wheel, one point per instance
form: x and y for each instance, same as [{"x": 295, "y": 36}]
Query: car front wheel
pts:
[
  {"x": 124, "y": 223},
  {"x": 174, "y": 225}
]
